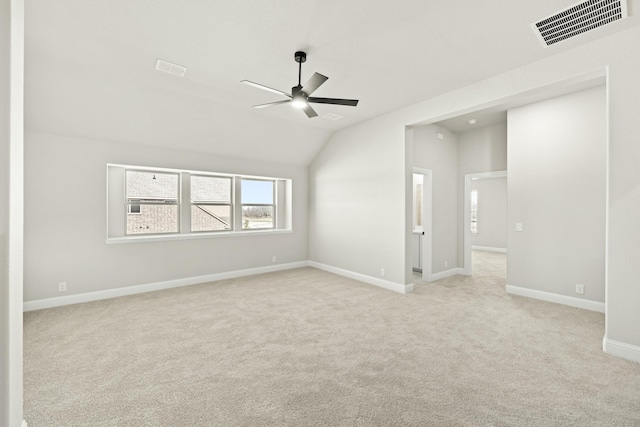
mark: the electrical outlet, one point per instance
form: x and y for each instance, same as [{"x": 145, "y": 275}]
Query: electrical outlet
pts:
[
  {"x": 62, "y": 287},
  {"x": 579, "y": 289},
  {"x": 446, "y": 263},
  {"x": 518, "y": 226},
  {"x": 273, "y": 258},
  {"x": 382, "y": 272}
]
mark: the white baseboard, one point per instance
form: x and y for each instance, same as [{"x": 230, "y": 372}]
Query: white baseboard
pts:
[
  {"x": 556, "y": 298},
  {"x": 446, "y": 273},
  {"x": 621, "y": 349},
  {"x": 138, "y": 289},
  {"x": 392, "y": 286},
  {"x": 489, "y": 249}
]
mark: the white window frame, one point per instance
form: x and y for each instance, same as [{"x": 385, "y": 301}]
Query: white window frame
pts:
[
  {"x": 274, "y": 210},
  {"x": 209, "y": 203},
  {"x": 117, "y": 206},
  {"x": 150, "y": 202},
  {"x": 474, "y": 212}
]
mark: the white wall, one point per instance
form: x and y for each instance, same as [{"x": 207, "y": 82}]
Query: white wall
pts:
[
  {"x": 368, "y": 163},
  {"x": 355, "y": 187},
  {"x": 11, "y": 167},
  {"x": 492, "y": 213},
  {"x": 441, "y": 157},
  {"x": 557, "y": 171},
  {"x": 479, "y": 150},
  {"x": 65, "y": 219}
]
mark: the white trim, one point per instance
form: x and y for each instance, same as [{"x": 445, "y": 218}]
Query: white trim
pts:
[
  {"x": 621, "y": 349},
  {"x": 190, "y": 236},
  {"x": 489, "y": 249},
  {"x": 466, "y": 243},
  {"x": 556, "y": 298},
  {"x": 385, "y": 284},
  {"x": 138, "y": 289},
  {"x": 13, "y": 136},
  {"x": 446, "y": 273}
]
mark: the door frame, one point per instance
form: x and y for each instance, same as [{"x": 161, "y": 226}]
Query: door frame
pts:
[
  {"x": 427, "y": 221},
  {"x": 467, "y": 211}
]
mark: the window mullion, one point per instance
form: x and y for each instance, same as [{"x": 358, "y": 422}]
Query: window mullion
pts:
[
  {"x": 237, "y": 204},
  {"x": 185, "y": 203}
]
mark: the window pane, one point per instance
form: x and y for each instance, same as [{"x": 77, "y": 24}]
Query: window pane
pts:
[
  {"x": 254, "y": 217},
  {"x": 256, "y": 192},
  {"x": 210, "y": 189},
  {"x": 153, "y": 219},
  {"x": 152, "y": 186},
  {"x": 210, "y": 218}
]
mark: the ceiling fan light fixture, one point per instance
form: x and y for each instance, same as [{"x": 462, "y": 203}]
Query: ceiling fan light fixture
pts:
[
  {"x": 299, "y": 101},
  {"x": 300, "y": 96}
]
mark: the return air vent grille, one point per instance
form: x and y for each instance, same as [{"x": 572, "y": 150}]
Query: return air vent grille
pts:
[
  {"x": 168, "y": 67},
  {"x": 579, "y": 18}
]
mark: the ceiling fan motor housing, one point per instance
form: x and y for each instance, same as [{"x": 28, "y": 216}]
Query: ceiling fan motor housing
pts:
[{"x": 300, "y": 57}]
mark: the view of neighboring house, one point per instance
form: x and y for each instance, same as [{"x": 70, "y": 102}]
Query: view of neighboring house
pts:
[{"x": 153, "y": 203}]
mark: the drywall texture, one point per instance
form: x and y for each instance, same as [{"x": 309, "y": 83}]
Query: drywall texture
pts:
[
  {"x": 355, "y": 187},
  {"x": 373, "y": 153},
  {"x": 492, "y": 213},
  {"x": 65, "y": 181},
  {"x": 482, "y": 150},
  {"x": 441, "y": 157},
  {"x": 557, "y": 190}
]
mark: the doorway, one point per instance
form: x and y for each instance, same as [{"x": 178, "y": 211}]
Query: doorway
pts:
[
  {"x": 473, "y": 220},
  {"x": 421, "y": 238}
]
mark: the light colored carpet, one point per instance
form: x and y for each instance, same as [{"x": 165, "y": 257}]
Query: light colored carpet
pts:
[{"x": 305, "y": 347}]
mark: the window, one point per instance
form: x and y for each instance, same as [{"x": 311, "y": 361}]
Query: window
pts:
[
  {"x": 144, "y": 204},
  {"x": 257, "y": 204},
  {"x": 474, "y": 211},
  {"x": 152, "y": 202},
  {"x": 133, "y": 209},
  {"x": 211, "y": 208}
]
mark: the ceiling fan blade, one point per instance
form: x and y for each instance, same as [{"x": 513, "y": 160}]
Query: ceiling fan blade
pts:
[
  {"x": 310, "y": 112},
  {"x": 267, "y": 88},
  {"x": 314, "y": 83},
  {"x": 269, "y": 104},
  {"x": 336, "y": 101}
]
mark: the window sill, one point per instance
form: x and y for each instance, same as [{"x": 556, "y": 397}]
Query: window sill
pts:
[{"x": 169, "y": 237}]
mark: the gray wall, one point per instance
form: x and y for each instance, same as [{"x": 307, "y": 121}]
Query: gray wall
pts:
[
  {"x": 66, "y": 228},
  {"x": 355, "y": 189},
  {"x": 492, "y": 213},
  {"x": 557, "y": 171},
  {"x": 373, "y": 169},
  {"x": 441, "y": 157}
]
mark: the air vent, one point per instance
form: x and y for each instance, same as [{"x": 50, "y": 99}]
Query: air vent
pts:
[
  {"x": 168, "y": 67},
  {"x": 333, "y": 116},
  {"x": 577, "y": 19}
]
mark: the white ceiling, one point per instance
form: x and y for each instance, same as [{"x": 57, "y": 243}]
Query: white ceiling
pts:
[{"x": 90, "y": 65}]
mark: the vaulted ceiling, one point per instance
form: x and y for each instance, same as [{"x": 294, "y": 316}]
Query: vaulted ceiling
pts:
[{"x": 90, "y": 65}]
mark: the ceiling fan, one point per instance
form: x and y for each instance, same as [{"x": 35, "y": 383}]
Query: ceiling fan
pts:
[{"x": 299, "y": 96}]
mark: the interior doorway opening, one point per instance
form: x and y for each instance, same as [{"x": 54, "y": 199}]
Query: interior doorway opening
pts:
[
  {"x": 478, "y": 213},
  {"x": 421, "y": 243}
]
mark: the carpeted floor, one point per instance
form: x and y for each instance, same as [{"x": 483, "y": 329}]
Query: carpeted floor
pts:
[{"x": 307, "y": 348}]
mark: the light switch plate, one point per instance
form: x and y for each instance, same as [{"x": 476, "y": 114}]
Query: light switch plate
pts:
[{"x": 518, "y": 226}]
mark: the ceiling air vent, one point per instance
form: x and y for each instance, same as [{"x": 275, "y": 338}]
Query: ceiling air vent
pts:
[
  {"x": 578, "y": 19},
  {"x": 168, "y": 67}
]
